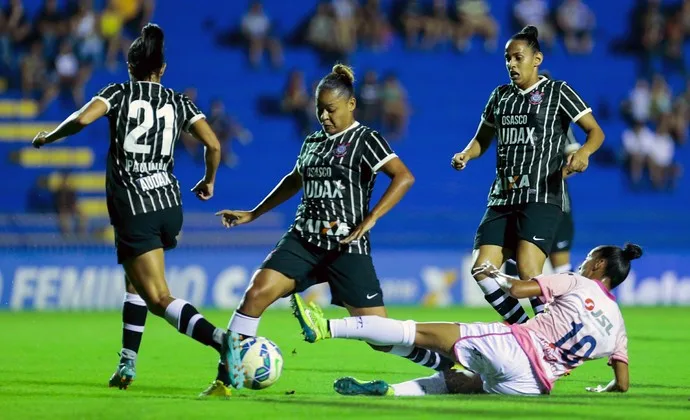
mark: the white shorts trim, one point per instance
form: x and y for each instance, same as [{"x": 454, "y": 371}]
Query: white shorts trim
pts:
[{"x": 492, "y": 351}]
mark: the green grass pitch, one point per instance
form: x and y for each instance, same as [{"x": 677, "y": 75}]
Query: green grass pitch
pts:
[{"x": 56, "y": 365}]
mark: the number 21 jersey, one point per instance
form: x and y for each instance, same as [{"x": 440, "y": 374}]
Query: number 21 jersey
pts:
[{"x": 145, "y": 119}]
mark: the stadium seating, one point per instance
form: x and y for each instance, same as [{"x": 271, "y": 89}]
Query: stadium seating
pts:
[{"x": 447, "y": 92}]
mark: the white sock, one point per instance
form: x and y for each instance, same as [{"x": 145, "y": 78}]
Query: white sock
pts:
[
  {"x": 565, "y": 268},
  {"x": 430, "y": 385},
  {"x": 243, "y": 324},
  {"x": 134, "y": 299},
  {"x": 402, "y": 351},
  {"x": 173, "y": 312},
  {"x": 488, "y": 285},
  {"x": 375, "y": 330}
]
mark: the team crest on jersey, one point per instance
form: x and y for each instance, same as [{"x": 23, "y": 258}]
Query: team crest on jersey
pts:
[
  {"x": 340, "y": 150},
  {"x": 536, "y": 97}
]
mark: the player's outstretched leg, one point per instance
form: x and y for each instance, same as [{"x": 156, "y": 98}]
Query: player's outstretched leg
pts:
[
  {"x": 133, "y": 320},
  {"x": 147, "y": 274}
]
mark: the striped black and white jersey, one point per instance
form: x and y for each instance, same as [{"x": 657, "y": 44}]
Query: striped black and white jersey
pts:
[
  {"x": 338, "y": 174},
  {"x": 531, "y": 127},
  {"x": 146, "y": 120}
]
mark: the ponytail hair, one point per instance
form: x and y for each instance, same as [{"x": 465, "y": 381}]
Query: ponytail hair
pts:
[
  {"x": 529, "y": 34},
  {"x": 145, "y": 55},
  {"x": 341, "y": 78},
  {"x": 618, "y": 261}
]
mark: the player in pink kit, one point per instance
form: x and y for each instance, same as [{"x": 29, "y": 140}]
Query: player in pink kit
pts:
[{"x": 582, "y": 322}]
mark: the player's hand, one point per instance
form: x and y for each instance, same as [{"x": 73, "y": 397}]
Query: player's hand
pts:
[
  {"x": 359, "y": 232},
  {"x": 231, "y": 218},
  {"x": 487, "y": 269},
  {"x": 459, "y": 161},
  {"x": 39, "y": 140},
  {"x": 203, "y": 190},
  {"x": 598, "y": 388},
  {"x": 577, "y": 162}
]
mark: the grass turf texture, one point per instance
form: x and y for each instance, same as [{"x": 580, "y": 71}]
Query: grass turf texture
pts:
[{"x": 57, "y": 365}]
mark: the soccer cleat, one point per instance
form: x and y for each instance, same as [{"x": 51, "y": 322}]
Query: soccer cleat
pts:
[
  {"x": 125, "y": 372},
  {"x": 311, "y": 319},
  {"x": 217, "y": 389},
  {"x": 230, "y": 351},
  {"x": 351, "y": 386}
]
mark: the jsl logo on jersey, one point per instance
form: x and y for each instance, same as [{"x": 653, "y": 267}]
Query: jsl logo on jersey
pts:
[
  {"x": 327, "y": 228},
  {"x": 536, "y": 97},
  {"x": 154, "y": 181},
  {"x": 323, "y": 188},
  {"x": 599, "y": 316}
]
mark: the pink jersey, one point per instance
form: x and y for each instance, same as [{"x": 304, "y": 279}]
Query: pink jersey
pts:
[{"x": 581, "y": 322}]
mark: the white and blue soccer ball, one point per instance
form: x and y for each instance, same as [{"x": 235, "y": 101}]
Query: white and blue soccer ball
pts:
[{"x": 262, "y": 361}]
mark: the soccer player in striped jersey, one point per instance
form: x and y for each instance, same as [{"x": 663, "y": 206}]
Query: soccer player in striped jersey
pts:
[
  {"x": 565, "y": 234},
  {"x": 530, "y": 117},
  {"x": 143, "y": 195},
  {"x": 583, "y": 322},
  {"x": 329, "y": 239}
]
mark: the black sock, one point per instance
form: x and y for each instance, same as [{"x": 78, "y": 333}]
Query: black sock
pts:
[
  {"x": 183, "y": 316},
  {"x": 430, "y": 359},
  {"x": 537, "y": 305},
  {"x": 507, "y": 306},
  {"x": 133, "y": 320}
]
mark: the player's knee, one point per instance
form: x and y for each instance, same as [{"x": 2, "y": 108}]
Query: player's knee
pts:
[
  {"x": 158, "y": 302},
  {"x": 528, "y": 271}
]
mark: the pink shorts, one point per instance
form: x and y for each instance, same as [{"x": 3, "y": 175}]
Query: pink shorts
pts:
[{"x": 491, "y": 351}]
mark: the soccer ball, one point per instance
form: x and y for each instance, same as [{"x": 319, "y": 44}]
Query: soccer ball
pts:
[{"x": 262, "y": 361}]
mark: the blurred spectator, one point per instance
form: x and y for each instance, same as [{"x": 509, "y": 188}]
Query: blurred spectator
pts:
[
  {"x": 674, "y": 36},
  {"x": 345, "y": 13},
  {"x": 412, "y": 21},
  {"x": 373, "y": 26},
  {"x": 661, "y": 98},
  {"x": 536, "y": 12},
  {"x": 111, "y": 23},
  {"x": 50, "y": 27},
  {"x": 395, "y": 108},
  {"x": 71, "y": 75},
  {"x": 322, "y": 35},
  {"x": 639, "y": 103},
  {"x": 637, "y": 141},
  {"x": 85, "y": 32},
  {"x": 70, "y": 220},
  {"x": 134, "y": 14},
  {"x": 678, "y": 120},
  {"x": 577, "y": 22},
  {"x": 475, "y": 19},
  {"x": 369, "y": 100},
  {"x": 662, "y": 171},
  {"x": 295, "y": 102},
  {"x": 35, "y": 79},
  {"x": 256, "y": 28},
  {"x": 18, "y": 25},
  {"x": 437, "y": 25},
  {"x": 227, "y": 130}
]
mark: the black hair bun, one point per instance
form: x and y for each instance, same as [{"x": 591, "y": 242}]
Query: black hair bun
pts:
[
  {"x": 530, "y": 31},
  {"x": 632, "y": 251}
]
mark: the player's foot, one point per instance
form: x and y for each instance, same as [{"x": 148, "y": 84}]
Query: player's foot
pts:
[
  {"x": 314, "y": 324},
  {"x": 125, "y": 372},
  {"x": 230, "y": 352},
  {"x": 217, "y": 389},
  {"x": 351, "y": 386}
]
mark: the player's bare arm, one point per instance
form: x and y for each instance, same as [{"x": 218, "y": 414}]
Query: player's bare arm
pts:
[
  {"x": 512, "y": 285},
  {"x": 578, "y": 161},
  {"x": 621, "y": 381},
  {"x": 476, "y": 147},
  {"x": 73, "y": 124},
  {"x": 203, "y": 132},
  {"x": 290, "y": 185},
  {"x": 401, "y": 181}
]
